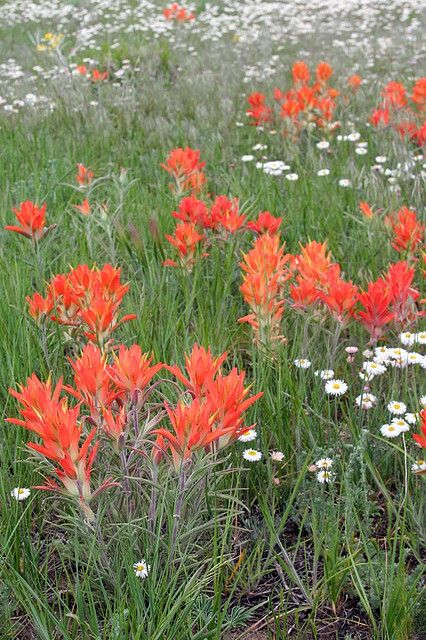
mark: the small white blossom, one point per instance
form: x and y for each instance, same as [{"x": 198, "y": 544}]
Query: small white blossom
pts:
[
  {"x": 248, "y": 436},
  {"x": 141, "y": 569},
  {"x": 302, "y": 363},
  {"x": 336, "y": 387},
  {"x": 390, "y": 430},
  {"x": 20, "y": 493},
  {"x": 252, "y": 455},
  {"x": 324, "y": 476},
  {"x": 397, "y": 408}
]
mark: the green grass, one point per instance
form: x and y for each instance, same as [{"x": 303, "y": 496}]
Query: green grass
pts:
[{"x": 264, "y": 548}]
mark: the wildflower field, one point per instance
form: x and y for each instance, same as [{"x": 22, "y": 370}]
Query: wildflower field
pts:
[{"x": 213, "y": 320}]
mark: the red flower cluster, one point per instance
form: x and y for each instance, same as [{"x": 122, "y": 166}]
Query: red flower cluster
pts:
[
  {"x": 215, "y": 415},
  {"x": 85, "y": 300},
  {"x": 420, "y": 438},
  {"x": 46, "y": 414},
  {"x": 409, "y": 232},
  {"x": 185, "y": 167},
  {"x": 178, "y": 13},
  {"x": 197, "y": 218},
  {"x": 94, "y": 75},
  {"x": 303, "y": 104},
  {"x": 405, "y": 112},
  {"x": 84, "y": 179},
  {"x": 265, "y": 272},
  {"x": 32, "y": 221}
]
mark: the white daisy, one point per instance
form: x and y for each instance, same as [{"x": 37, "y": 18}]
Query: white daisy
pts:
[
  {"x": 390, "y": 430},
  {"x": 374, "y": 368},
  {"x": 344, "y": 182},
  {"x": 20, "y": 493},
  {"x": 423, "y": 401},
  {"x": 366, "y": 400},
  {"x": 336, "y": 387},
  {"x": 277, "y": 456},
  {"x": 361, "y": 151},
  {"x": 302, "y": 363},
  {"x": 380, "y": 159},
  {"x": 323, "y": 144},
  {"x": 412, "y": 418},
  {"x": 415, "y": 358},
  {"x": 292, "y": 177},
  {"x": 248, "y": 436},
  {"x": 397, "y": 408},
  {"x": 325, "y": 374},
  {"x": 324, "y": 463},
  {"x": 401, "y": 424},
  {"x": 407, "y": 338},
  {"x": 418, "y": 466},
  {"x": 252, "y": 455},
  {"x": 324, "y": 476},
  {"x": 323, "y": 172},
  {"x": 421, "y": 337},
  {"x": 354, "y": 136},
  {"x": 141, "y": 569},
  {"x": 247, "y": 158}
]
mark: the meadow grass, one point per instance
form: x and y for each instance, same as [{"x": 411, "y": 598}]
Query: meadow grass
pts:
[{"x": 261, "y": 550}]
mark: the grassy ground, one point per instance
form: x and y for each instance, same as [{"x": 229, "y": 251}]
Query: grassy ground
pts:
[{"x": 263, "y": 550}]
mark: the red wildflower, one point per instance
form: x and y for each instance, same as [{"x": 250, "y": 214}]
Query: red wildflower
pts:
[
  {"x": 32, "y": 221},
  {"x": 323, "y": 72},
  {"x": 177, "y": 13},
  {"x": 366, "y": 210},
  {"x": 408, "y": 231},
  {"x": 84, "y": 175},
  {"x": 84, "y": 207},
  {"x": 300, "y": 73},
  {"x": 380, "y": 117},
  {"x": 132, "y": 370},
  {"x": 420, "y": 438},
  {"x": 399, "y": 279},
  {"x": 186, "y": 240},
  {"x": 376, "y": 312},
  {"x": 185, "y": 166},
  {"x": 201, "y": 368},
  {"x": 265, "y": 223},
  {"x": 258, "y": 111},
  {"x": 225, "y": 212},
  {"x": 354, "y": 82},
  {"x": 394, "y": 95},
  {"x": 92, "y": 380},
  {"x": 39, "y": 307},
  {"x": 98, "y": 76},
  {"x": 48, "y": 416},
  {"x": 193, "y": 211},
  {"x": 418, "y": 95}
]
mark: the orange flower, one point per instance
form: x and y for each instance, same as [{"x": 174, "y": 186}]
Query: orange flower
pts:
[
  {"x": 225, "y": 212},
  {"x": 265, "y": 272},
  {"x": 92, "y": 380},
  {"x": 32, "y": 221},
  {"x": 323, "y": 72},
  {"x": 340, "y": 297},
  {"x": 48, "y": 416},
  {"x": 98, "y": 76},
  {"x": 258, "y": 111},
  {"x": 300, "y": 73},
  {"x": 186, "y": 240},
  {"x": 380, "y": 117},
  {"x": 114, "y": 423},
  {"x": 177, "y": 13},
  {"x": 201, "y": 369},
  {"x": 132, "y": 370},
  {"x": 88, "y": 300},
  {"x": 408, "y": 231},
  {"x": 420, "y": 438},
  {"x": 84, "y": 175},
  {"x": 376, "y": 312},
  {"x": 84, "y": 207},
  {"x": 265, "y": 223},
  {"x": 193, "y": 211},
  {"x": 185, "y": 166},
  {"x": 419, "y": 94},
  {"x": 394, "y": 95},
  {"x": 82, "y": 69},
  {"x": 365, "y": 208},
  {"x": 39, "y": 307},
  {"x": 399, "y": 279},
  {"x": 354, "y": 82}
]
